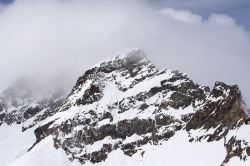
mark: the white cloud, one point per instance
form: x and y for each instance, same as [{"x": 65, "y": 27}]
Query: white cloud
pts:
[
  {"x": 221, "y": 19},
  {"x": 181, "y": 15},
  {"x": 48, "y": 37}
]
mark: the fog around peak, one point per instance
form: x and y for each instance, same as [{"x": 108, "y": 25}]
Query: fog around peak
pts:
[{"x": 59, "y": 39}]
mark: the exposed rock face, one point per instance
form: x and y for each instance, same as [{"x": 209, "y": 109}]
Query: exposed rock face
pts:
[
  {"x": 222, "y": 108},
  {"x": 1, "y": 108},
  {"x": 126, "y": 103}
]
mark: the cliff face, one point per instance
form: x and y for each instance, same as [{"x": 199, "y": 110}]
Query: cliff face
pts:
[{"x": 127, "y": 104}]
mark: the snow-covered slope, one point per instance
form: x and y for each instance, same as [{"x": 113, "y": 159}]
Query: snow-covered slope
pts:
[{"x": 125, "y": 111}]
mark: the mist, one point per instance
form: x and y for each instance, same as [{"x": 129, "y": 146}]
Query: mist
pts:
[{"x": 56, "y": 40}]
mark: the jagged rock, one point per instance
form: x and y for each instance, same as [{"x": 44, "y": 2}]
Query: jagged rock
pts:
[
  {"x": 163, "y": 120},
  {"x": 28, "y": 113},
  {"x": 143, "y": 106},
  {"x": 248, "y": 151},
  {"x": 233, "y": 148},
  {"x": 129, "y": 149},
  {"x": 1, "y": 107},
  {"x": 225, "y": 111},
  {"x": 178, "y": 100},
  {"x": 40, "y": 131}
]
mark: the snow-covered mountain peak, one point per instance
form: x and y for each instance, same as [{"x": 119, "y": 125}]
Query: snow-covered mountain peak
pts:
[{"x": 126, "y": 108}]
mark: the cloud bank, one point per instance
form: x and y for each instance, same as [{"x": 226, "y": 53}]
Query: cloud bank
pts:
[{"x": 53, "y": 38}]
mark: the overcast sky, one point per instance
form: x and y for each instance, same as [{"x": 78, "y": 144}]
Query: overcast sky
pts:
[{"x": 208, "y": 39}]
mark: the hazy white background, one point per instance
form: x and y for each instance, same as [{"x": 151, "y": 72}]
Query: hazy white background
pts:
[{"x": 56, "y": 40}]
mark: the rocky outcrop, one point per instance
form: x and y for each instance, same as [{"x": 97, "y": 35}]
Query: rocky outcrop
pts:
[
  {"x": 222, "y": 112},
  {"x": 1, "y": 108},
  {"x": 235, "y": 148},
  {"x": 222, "y": 108}
]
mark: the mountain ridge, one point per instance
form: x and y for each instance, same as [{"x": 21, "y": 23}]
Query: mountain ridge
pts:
[{"x": 126, "y": 104}]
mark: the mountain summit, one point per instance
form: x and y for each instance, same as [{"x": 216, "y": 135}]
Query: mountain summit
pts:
[{"x": 125, "y": 111}]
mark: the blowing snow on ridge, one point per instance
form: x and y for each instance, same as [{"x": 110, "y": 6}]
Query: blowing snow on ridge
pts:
[{"x": 123, "y": 112}]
